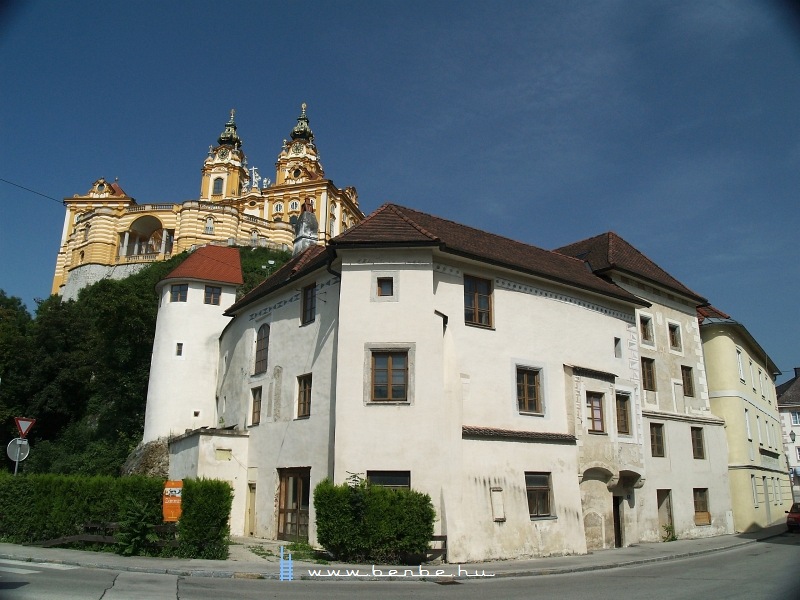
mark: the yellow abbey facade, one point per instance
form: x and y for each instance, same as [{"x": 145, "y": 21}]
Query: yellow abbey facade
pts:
[{"x": 107, "y": 234}]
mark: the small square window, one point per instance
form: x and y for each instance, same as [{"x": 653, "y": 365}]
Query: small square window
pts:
[
  {"x": 529, "y": 398},
  {"x": 212, "y": 295},
  {"x": 698, "y": 449},
  {"x": 657, "y": 440},
  {"x": 594, "y": 406},
  {"x": 688, "y": 380},
  {"x": 179, "y": 292},
  {"x": 675, "y": 336},
  {"x": 537, "y": 487},
  {"x": 385, "y": 286}
]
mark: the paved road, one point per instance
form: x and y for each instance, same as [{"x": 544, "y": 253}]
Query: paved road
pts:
[{"x": 767, "y": 570}]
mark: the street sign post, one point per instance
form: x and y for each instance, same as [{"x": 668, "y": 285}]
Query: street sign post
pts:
[
  {"x": 18, "y": 450},
  {"x": 24, "y": 425}
]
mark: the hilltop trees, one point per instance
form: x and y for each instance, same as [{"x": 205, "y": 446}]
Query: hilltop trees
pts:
[{"x": 81, "y": 368}]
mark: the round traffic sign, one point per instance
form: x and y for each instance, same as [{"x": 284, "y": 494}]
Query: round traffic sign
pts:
[{"x": 18, "y": 449}]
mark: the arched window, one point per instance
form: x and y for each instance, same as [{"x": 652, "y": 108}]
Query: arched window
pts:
[
  {"x": 332, "y": 226},
  {"x": 210, "y": 225},
  {"x": 86, "y": 232},
  {"x": 262, "y": 348},
  {"x": 217, "y": 186},
  {"x": 254, "y": 237},
  {"x": 294, "y": 205},
  {"x": 278, "y": 207}
]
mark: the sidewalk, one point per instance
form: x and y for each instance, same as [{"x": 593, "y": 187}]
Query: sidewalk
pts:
[{"x": 243, "y": 563}]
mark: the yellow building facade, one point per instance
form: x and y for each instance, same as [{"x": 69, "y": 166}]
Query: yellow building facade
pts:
[
  {"x": 741, "y": 384},
  {"x": 108, "y": 234}
]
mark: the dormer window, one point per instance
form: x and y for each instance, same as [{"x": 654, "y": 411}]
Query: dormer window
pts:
[{"x": 217, "y": 190}]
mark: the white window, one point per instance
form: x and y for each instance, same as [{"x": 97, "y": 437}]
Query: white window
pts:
[
  {"x": 761, "y": 381},
  {"x": 755, "y": 489},
  {"x": 752, "y": 377},
  {"x": 797, "y": 451},
  {"x": 747, "y": 424},
  {"x": 795, "y": 418},
  {"x": 739, "y": 364},
  {"x": 209, "y": 225},
  {"x": 278, "y": 207},
  {"x": 758, "y": 430}
]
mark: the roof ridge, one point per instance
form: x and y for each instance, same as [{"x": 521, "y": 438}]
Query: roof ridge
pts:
[
  {"x": 397, "y": 210},
  {"x": 479, "y": 231}
]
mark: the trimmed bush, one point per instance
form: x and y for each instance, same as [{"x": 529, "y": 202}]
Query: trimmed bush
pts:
[
  {"x": 363, "y": 522},
  {"x": 36, "y": 508},
  {"x": 204, "y": 529}
]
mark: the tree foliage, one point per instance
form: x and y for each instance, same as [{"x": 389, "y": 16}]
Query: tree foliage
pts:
[{"x": 81, "y": 367}]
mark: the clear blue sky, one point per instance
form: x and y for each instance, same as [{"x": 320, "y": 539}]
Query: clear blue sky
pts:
[{"x": 674, "y": 123}]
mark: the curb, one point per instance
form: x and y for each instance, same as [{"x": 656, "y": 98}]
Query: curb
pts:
[{"x": 233, "y": 574}]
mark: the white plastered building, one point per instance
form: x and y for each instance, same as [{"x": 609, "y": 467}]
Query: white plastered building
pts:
[{"x": 499, "y": 378}]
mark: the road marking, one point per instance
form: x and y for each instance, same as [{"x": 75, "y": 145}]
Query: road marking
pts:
[{"x": 22, "y": 567}]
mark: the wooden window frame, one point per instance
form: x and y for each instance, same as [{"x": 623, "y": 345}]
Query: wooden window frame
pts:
[
  {"x": 687, "y": 377},
  {"x": 304, "y": 396},
  {"x": 622, "y": 403},
  {"x": 309, "y": 304},
  {"x": 529, "y": 390},
  {"x": 702, "y": 516},
  {"x": 657, "y": 445},
  {"x": 648, "y": 374},
  {"x": 595, "y": 417},
  {"x": 539, "y": 492},
  {"x": 212, "y": 295},
  {"x": 675, "y": 341},
  {"x": 262, "y": 349},
  {"x": 179, "y": 292},
  {"x": 698, "y": 443},
  {"x": 646, "y": 330},
  {"x": 390, "y": 371},
  {"x": 255, "y": 413},
  {"x": 477, "y": 289}
]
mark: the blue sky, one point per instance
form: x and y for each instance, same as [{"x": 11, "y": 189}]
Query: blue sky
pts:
[{"x": 675, "y": 124}]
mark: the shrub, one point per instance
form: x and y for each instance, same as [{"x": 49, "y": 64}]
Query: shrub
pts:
[
  {"x": 204, "y": 529},
  {"x": 36, "y": 508},
  {"x": 364, "y": 522}
]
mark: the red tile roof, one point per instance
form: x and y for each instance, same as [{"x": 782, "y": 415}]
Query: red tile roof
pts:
[
  {"x": 393, "y": 225},
  {"x": 535, "y": 436},
  {"x": 210, "y": 263},
  {"x": 608, "y": 251},
  {"x": 709, "y": 312}
]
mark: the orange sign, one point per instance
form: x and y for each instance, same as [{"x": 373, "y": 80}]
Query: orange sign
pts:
[{"x": 172, "y": 500}]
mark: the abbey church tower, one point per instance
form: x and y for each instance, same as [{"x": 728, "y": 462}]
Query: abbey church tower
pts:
[{"x": 107, "y": 233}]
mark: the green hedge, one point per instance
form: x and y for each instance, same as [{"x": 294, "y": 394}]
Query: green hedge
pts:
[
  {"x": 364, "y": 522},
  {"x": 36, "y": 508}
]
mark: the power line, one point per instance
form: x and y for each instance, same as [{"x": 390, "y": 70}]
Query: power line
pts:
[{"x": 22, "y": 187}]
